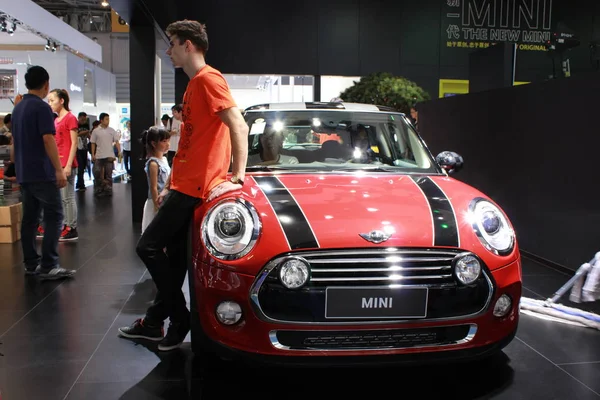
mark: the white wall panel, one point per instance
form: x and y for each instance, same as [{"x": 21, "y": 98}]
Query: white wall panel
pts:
[{"x": 44, "y": 22}]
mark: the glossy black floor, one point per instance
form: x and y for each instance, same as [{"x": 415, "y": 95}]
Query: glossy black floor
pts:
[{"x": 59, "y": 340}]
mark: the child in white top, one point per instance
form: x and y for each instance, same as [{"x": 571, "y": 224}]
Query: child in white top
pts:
[{"x": 156, "y": 145}]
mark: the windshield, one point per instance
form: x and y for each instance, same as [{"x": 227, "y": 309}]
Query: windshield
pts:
[{"x": 328, "y": 140}]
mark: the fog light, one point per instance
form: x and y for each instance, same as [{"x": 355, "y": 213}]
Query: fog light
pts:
[
  {"x": 229, "y": 312},
  {"x": 467, "y": 269},
  {"x": 503, "y": 306},
  {"x": 294, "y": 273}
]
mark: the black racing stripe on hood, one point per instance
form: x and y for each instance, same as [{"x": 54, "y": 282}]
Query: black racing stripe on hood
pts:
[
  {"x": 295, "y": 226},
  {"x": 442, "y": 214}
]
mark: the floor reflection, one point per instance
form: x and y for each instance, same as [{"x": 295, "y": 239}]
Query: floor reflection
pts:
[{"x": 210, "y": 379}]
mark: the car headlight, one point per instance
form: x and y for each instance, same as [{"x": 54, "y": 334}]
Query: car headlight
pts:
[
  {"x": 467, "y": 268},
  {"x": 230, "y": 229},
  {"x": 491, "y": 227},
  {"x": 294, "y": 272}
]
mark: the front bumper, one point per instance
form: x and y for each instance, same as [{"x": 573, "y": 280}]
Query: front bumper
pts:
[{"x": 438, "y": 340}]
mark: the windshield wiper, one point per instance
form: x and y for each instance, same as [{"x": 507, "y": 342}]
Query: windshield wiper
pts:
[
  {"x": 370, "y": 169},
  {"x": 262, "y": 167}
]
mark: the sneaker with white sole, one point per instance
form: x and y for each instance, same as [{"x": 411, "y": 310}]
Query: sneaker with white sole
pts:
[
  {"x": 138, "y": 330},
  {"x": 55, "y": 273}
]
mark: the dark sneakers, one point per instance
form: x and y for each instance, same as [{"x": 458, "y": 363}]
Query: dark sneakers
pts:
[
  {"x": 54, "y": 273},
  {"x": 49, "y": 274},
  {"x": 140, "y": 331},
  {"x": 68, "y": 234},
  {"x": 175, "y": 336}
]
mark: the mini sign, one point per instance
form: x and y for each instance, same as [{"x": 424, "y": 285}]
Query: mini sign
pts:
[{"x": 478, "y": 23}]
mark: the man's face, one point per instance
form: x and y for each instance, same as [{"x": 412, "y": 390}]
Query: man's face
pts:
[
  {"x": 177, "y": 51},
  {"x": 414, "y": 114},
  {"x": 82, "y": 119},
  {"x": 176, "y": 114},
  {"x": 105, "y": 121}
]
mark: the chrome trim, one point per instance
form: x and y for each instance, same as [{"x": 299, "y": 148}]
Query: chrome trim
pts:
[
  {"x": 378, "y": 279},
  {"x": 256, "y": 230},
  {"x": 376, "y": 260},
  {"x": 470, "y": 336},
  {"x": 262, "y": 276},
  {"x": 479, "y": 235},
  {"x": 388, "y": 269}
]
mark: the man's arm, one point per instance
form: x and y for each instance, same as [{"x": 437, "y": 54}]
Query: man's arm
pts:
[
  {"x": 52, "y": 151},
  {"x": 165, "y": 191},
  {"x": 238, "y": 129}
]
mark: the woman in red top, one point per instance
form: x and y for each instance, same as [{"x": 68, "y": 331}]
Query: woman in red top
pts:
[{"x": 66, "y": 140}]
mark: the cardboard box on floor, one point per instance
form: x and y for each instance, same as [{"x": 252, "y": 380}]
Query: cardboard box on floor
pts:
[
  {"x": 10, "y": 234},
  {"x": 10, "y": 223}
]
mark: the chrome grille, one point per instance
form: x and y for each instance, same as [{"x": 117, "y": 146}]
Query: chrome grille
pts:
[
  {"x": 381, "y": 267},
  {"x": 373, "y": 339}
]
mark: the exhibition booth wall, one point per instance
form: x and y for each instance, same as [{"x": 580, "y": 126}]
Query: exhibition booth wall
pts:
[
  {"x": 91, "y": 88},
  {"x": 533, "y": 150}
]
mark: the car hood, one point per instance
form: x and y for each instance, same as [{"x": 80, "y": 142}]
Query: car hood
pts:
[{"x": 359, "y": 210}]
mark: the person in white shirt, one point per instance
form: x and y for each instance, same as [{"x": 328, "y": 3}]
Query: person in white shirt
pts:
[
  {"x": 175, "y": 128},
  {"x": 103, "y": 155},
  {"x": 126, "y": 145}
]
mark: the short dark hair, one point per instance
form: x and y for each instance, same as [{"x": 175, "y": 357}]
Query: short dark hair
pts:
[
  {"x": 7, "y": 119},
  {"x": 165, "y": 117},
  {"x": 102, "y": 116},
  {"x": 177, "y": 107},
  {"x": 82, "y": 114},
  {"x": 193, "y": 31},
  {"x": 36, "y": 77}
]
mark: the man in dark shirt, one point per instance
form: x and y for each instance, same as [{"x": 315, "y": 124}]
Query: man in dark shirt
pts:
[
  {"x": 40, "y": 175},
  {"x": 83, "y": 138}
]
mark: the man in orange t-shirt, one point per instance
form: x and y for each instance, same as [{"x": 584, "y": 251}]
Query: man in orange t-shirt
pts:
[{"x": 213, "y": 131}]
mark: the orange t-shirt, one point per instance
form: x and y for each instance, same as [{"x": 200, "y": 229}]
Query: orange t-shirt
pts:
[{"x": 204, "y": 153}]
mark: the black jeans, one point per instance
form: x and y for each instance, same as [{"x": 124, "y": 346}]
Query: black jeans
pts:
[
  {"x": 169, "y": 229},
  {"x": 127, "y": 161},
  {"x": 38, "y": 196},
  {"x": 82, "y": 161}
]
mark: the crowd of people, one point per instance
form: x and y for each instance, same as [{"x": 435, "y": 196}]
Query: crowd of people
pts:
[{"x": 50, "y": 148}]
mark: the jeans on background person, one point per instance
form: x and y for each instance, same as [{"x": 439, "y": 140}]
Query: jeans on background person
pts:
[
  {"x": 127, "y": 161},
  {"x": 40, "y": 196},
  {"x": 68, "y": 200},
  {"x": 82, "y": 161},
  {"x": 169, "y": 229}
]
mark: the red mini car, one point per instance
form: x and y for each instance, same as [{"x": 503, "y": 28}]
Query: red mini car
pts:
[{"x": 351, "y": 243}]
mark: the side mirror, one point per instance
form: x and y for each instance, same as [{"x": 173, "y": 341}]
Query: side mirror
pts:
[{"x": 450, "y": 161}]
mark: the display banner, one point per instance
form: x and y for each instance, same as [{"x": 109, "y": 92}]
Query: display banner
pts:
[{"x": 476, "y": 24}]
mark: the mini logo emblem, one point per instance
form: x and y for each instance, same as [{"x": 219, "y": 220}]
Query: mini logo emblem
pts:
[{"x": 375, "y": 236}]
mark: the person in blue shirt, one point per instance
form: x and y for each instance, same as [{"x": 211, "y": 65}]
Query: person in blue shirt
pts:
[{"x": 40, "y": 174}]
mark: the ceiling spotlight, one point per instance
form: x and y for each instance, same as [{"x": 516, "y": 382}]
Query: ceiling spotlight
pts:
[
  {"x": 53, "y": 47},
  {"x": 105, "y": 3},
  {"x": 47, "y": 47}
]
